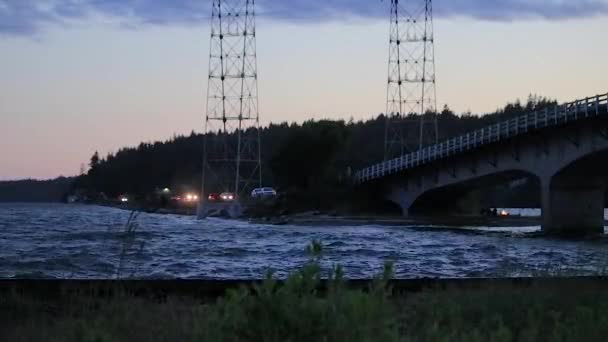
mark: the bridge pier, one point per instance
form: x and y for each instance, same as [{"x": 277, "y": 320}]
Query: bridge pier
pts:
[
  {"x": 573, "y": 207},
  {"x": 403, "y": 198}
]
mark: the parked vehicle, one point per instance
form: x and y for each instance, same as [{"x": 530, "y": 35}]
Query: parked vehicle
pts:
[
  {"x": 263, "y": 193},
  {"x": 213, "y": 197},
  {"x": 227, "y": 197},
  {"x": 190, "y": 198}
]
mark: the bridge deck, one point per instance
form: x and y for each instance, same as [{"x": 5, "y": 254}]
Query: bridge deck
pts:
[{"x": 559, "y": 115}]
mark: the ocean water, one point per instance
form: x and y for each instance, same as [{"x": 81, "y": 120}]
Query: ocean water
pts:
[{"x": 88, "y": 242}]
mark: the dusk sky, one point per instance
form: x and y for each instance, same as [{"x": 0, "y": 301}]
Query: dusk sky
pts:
[{"x": 78, "y": 76}]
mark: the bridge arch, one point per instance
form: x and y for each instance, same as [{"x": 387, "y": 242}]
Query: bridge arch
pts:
[
  {"x": 469, "y": 197},
  {"x": 564, "y": 149}
]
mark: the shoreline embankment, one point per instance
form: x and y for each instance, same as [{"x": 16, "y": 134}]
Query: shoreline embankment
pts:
[
  {"x": 213, "y": 289},
  {"x": 316, "y": 218}
]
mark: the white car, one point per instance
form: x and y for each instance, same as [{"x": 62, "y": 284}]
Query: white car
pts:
[{"x": 263, "y": 192}]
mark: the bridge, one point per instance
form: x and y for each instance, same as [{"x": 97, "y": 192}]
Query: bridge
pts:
[{"x": 565, "y": 148}]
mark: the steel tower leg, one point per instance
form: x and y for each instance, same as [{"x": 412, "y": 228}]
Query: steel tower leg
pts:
[
  {"x": 411, "y": 109},
  {"x": 231, "y": 153}
]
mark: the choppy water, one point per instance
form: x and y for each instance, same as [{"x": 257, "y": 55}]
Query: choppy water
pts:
[{"x": 52, "y": 240}]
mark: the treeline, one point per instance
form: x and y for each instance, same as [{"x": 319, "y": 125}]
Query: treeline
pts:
[
  {"x": 313, "y": 159},
  {"x": 35, "y": 190}
]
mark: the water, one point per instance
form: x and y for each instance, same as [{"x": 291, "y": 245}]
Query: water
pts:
[
  {"x": 83, "y": 242},
  {"x": 533, "y": 212}
]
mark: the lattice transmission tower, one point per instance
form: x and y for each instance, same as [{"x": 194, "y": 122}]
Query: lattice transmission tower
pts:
[
  {"x": 231, "y": 156},
  {"x": 411, "y": 96}
]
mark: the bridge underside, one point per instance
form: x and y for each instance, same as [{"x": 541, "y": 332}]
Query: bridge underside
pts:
[
  {"x": 474, "y": 196},
  {"x": 568, "y": 167}
]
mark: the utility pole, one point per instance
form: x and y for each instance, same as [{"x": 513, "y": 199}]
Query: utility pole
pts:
[
  {"x": 411, "y": 111},
  {"x": 231, "y": 153}
]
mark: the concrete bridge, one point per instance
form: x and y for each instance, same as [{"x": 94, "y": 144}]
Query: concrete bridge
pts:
[{"x": 564, "y": 148}]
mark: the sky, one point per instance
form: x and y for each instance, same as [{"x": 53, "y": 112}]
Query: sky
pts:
[{"x": 79, "y": 76}]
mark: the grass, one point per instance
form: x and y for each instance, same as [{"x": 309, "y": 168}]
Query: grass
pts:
[
  {"x": 539, "y": 313},
  {"x": 127, "y": 237},
  {"x": 296, "y": 310}
]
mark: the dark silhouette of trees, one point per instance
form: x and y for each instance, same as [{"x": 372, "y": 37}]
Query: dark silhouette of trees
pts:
[
  {"x": 314, "y": 158},
  {"x": 94, "y": 160},
  {"x": 309, "y": 154},
  {"x": 30, "y": 190}
]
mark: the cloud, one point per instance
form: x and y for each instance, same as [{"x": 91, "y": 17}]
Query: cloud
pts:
[
  {"x": 21, "y": 17},
  {"x": 497, "y": 10},
  {"x": 510, "y": 10},
  {"x": 28, "y": 17}
]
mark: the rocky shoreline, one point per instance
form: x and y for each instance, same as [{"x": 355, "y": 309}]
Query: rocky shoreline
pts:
[
  {"x": 315, "y": 218},
  {"x": 319, "y": 219}
]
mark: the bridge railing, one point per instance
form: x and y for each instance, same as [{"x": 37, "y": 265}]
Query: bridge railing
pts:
[{"x": 548, "y": 117}]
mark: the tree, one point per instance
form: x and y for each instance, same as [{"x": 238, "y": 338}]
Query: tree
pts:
[{"x": 94, "y": 160}]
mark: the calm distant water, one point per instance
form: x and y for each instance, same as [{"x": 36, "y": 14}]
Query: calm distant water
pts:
[{"x": 73, "y": 241}]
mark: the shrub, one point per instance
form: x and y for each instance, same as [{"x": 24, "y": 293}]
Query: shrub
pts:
[{"x": 297, "y": 311}]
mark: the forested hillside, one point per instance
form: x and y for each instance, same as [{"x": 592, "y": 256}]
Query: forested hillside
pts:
[
  {"x": 35, "y": 191},
  {"x": 313, "y": 157}
]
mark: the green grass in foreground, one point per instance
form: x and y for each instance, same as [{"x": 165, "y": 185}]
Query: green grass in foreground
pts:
[{"x": 295, "y": 311}]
